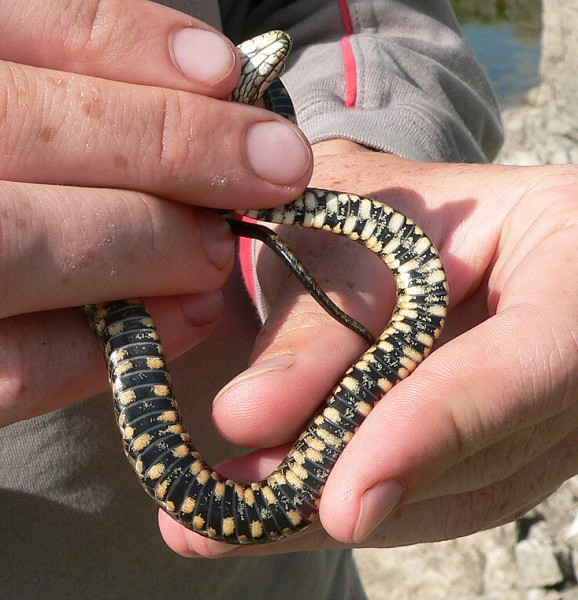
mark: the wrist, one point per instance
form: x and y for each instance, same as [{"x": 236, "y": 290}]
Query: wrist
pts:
[{"x": 337, "y": 146}]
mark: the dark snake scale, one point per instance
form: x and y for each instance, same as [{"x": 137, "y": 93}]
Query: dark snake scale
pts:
[{"x": 285, "y": 502}]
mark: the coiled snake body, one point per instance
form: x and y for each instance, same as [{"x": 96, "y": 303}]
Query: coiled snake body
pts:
[{"x": 155, "y": 440}]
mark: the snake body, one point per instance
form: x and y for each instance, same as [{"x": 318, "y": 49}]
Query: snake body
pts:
[{"x": 155, "y": 440}]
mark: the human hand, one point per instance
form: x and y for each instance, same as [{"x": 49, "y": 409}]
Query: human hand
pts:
[
  {"x": 111, "y": 124},
  {"x": 487, "y": 426}
]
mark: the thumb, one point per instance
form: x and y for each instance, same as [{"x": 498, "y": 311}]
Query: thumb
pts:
[{"x": 301, "y": 351}]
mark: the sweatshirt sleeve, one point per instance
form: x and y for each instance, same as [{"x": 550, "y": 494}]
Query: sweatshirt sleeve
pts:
[{"x": 392, "y": 75}]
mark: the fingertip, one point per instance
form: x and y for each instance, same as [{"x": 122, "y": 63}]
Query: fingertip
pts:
[
  {"x": 175, "y": 535},
  {"x": 186, "y": 320},
  {"x": 353, "y": 505},
  {"x": 270, "y": 403},
  {"x": 278, "y": 363},
  {"x": 187, "y": 543},
  {"x": 202, "y": 309},
  {"x": 375, "y": 505},
  {"x": 217, "y": 240},
  {"x": 202, "y": 55},
  {"x": 277, "y": 152},
  {"x": 247, "y": 409}
]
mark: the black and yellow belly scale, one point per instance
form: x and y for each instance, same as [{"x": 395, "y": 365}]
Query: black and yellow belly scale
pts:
[{"x": 285, "y": 502}]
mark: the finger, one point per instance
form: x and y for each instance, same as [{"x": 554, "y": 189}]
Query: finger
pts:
[
  {"x": 449, "y": 517},
  {"x": 126, "y": 40},
  {"x": 512, "y": 372},
  {"x": 298, "y": 359},
  {"x": 442, "y": 518},
  {"x": 191, "y": 545},
  {"x": 502, "y": 459},
  {"x": 49, "y": 360},
  {"x": 301, "y": 352},
  {"x": 65, "y": 247},
  {"x": 467, "y": 396},
  {"x": 251, "y": 467},
  {"x": 75, "y": 130}
]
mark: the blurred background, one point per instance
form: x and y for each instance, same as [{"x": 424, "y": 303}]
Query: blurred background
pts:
[{"x": 506, "y": 35}]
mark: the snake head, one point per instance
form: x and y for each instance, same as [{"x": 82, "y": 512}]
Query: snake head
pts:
[{"x": 262, "y": 61}]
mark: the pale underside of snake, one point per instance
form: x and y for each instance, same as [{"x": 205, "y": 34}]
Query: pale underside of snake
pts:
[{"x": 154, "y": 437}]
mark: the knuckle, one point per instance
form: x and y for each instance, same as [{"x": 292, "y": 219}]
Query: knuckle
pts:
[
  {"x": 15, "y": 99},
  {"x": 553, "y": 196},
  {"x": 460, "y": 430},
  {"x": 33, "y": 111},
  {"x": 499, "y": 502},
  {"x": 182, "y": 123},
  {"x": 16, "y": 214},
  {"x": 100, "y": 35},
  {"x": 86, "y": 29},
  {"x": 563, "y": 178},
  {"x": 476, "y": 511},
  {"x": 7, "y": 79}
]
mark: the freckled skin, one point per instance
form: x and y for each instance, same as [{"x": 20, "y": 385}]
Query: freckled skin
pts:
[
  {"x": 155, "y": 440},
  {"x": 120, "y": 161},
  {"x": 47, "y": 133}
]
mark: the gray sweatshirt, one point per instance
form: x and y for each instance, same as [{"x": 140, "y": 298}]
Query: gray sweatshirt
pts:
[{"x": 74, "y": 523}]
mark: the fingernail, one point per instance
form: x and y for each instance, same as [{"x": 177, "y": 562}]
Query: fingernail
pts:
[
  {"x": 376, "y": 504},
  {"x": 276, "y": 152},
  {"x": 202, "y": 309},
  {"x": 281, "y": 362},
  {"x": 202, "y": 55},
  {"x": 216, "y": 238}
]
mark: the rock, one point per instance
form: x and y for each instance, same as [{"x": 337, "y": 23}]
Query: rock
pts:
[
  {"x": 571, "y": 535},
  {"x": 516, "y": 121},
  {"x": 544, "y": 129},
  {"x": 540, "y": 594},
  {"x": 538, "y": 97},
  {"x": 500, "y": 573},
  {"x": 557, "y": 157},
  {"x": 537, "y": 564},
  {"x": 564, "y": 556},
  {"x": 425, "y": 572},
  {"x": 508, "y": 595},
  {"x": 569, "y": 593},
  {"x": 559, "y": 126},
  {"x": 520, "y": 157}
]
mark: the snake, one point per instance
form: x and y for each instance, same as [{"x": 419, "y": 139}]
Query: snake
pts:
[{"x": 155, "y": 440}]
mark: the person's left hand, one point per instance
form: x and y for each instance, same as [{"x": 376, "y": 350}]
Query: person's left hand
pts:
[{"x": 487, "y": 426}]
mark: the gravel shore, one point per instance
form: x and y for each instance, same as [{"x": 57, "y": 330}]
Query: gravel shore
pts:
[{"x": 535, "y": 558}]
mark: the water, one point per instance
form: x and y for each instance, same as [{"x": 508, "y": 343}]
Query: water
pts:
[
  {"x": 505, "y": 35},
  {"x": 512, "y": 64}
]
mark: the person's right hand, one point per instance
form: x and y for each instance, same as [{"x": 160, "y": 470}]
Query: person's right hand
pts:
[{"x": 110, "y": 125}]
